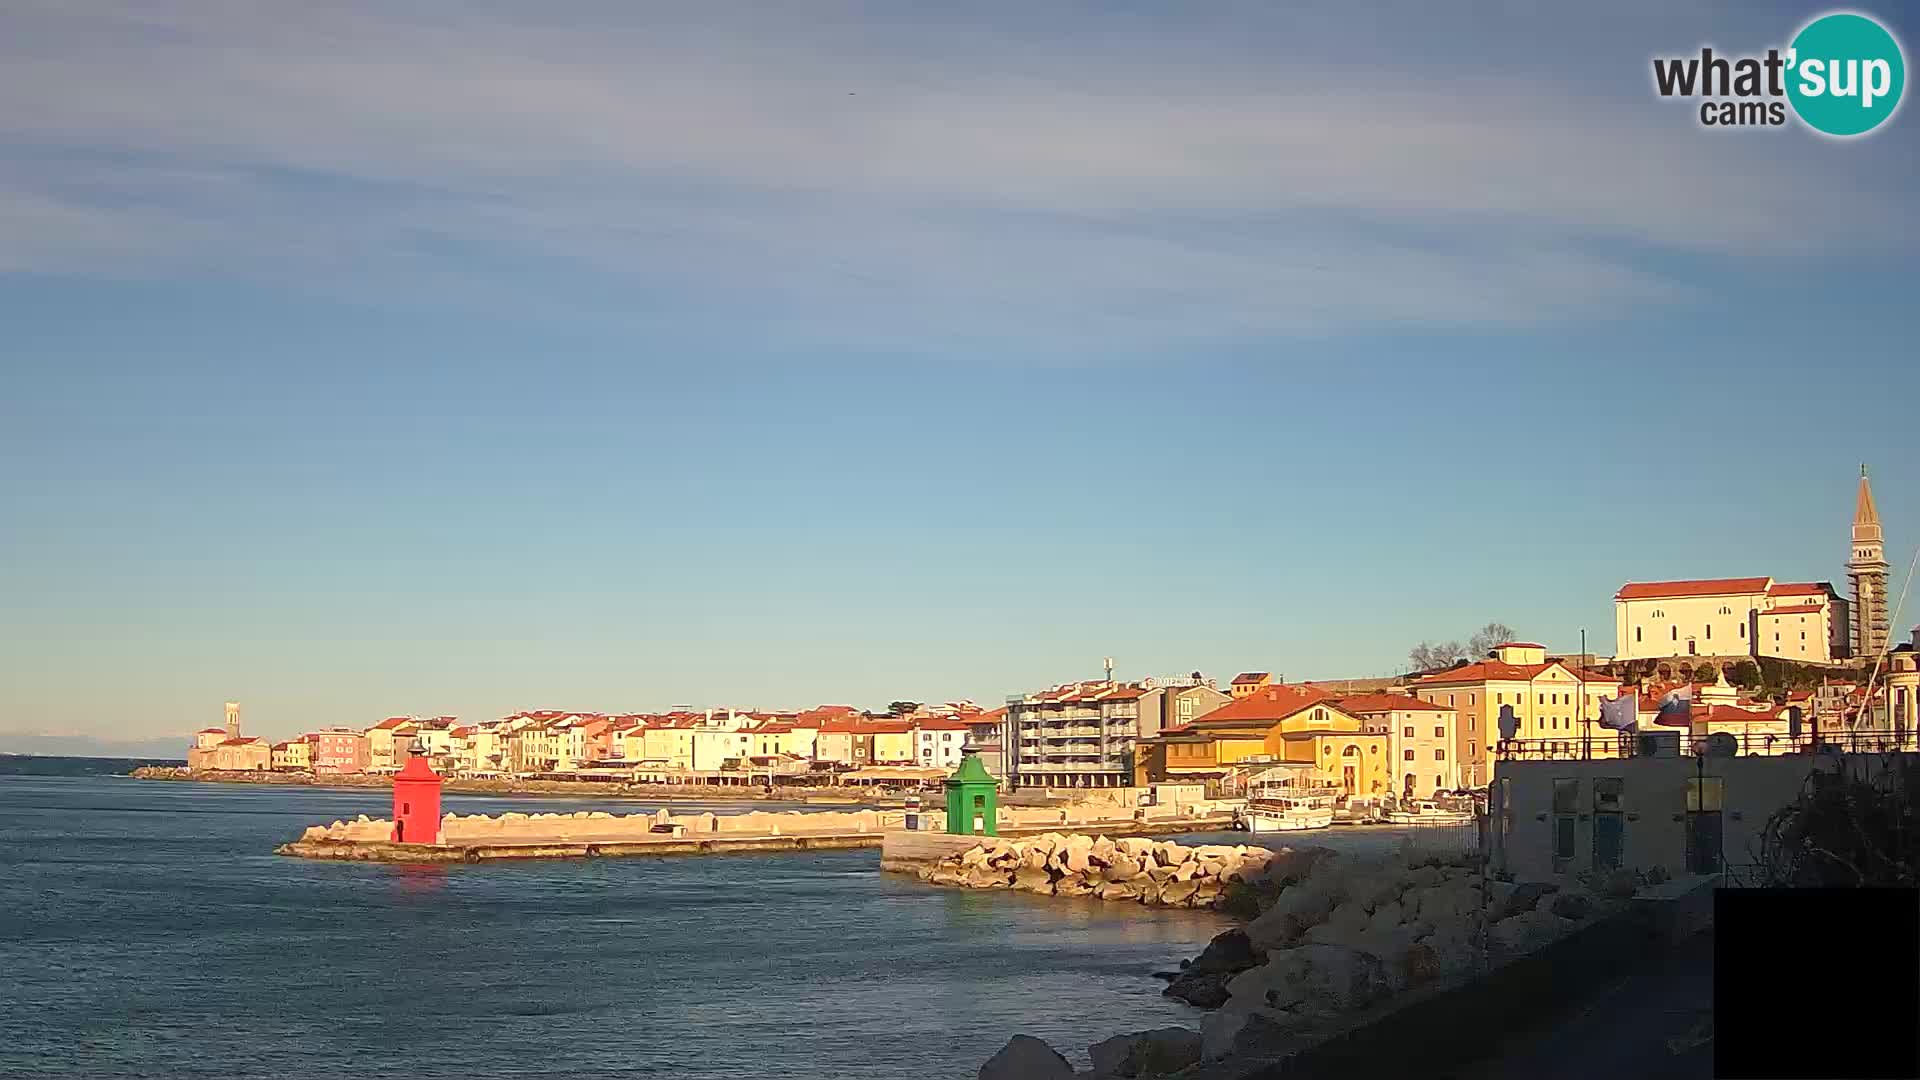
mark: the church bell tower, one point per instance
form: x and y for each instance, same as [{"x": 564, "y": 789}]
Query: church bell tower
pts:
[{"x": 1867, "y": 570}]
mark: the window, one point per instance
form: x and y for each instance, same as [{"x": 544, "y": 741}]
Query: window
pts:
[
  {"x": 1470, "y": 699},
  {"x": 1406, "y": 755},
  {"x": 1741, "y": 629},
  {"x": 1439, "y": 731},
  {"x": 1566, "y": 799},
  {"x": 1470, "y": 750},
  {"x": 1407, "y": 733},
  {"x": 1439, "y": 754},
  {"x": 1676, "y": 633},
  {"x": 1449, "y": 699},
  {"x": 1437, "y": 781},
  {"x": 1374, "y": 749},
  {"x": 1636, "y": 634},
  {"x": 1350, "y": 751},
  {"x": 1709, "y": 631}
]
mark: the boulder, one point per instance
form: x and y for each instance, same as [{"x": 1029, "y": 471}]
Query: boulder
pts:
[
  {"x": 1232, "y": 951},
  {"x": 973, "y": 857},
  {"x": 1175, "y": 893},
  {"x": 1035, "y": 859},
  {"x": 1298, "y": 908},
  {"x": 1145, "y": 1053},
  {"x": 1422, "y": 963},
  {"x": 1350, "y": 916},
  {"x": 1073, "y": 885},
  {"x": 1137, "y": 846},
  {"x": 944, "y": 874},
  {"x": 1456, "y": 948},
  {"x": 1172, "y": 854},
  {"x": 1386, "y": 917},
  {"x": 1026, "y": 1058},
  {"x": 1447, "y": 902},
  {"x": 1074, "y": 858},
  {"x": 1206, "y": 893},
  {"x": 1101, "y": 852},
  {"x": 1160, "y": 873},
  {"x": 1212, "y": 868},
  {"x": 1206, "y": 991},
  {"x": 1119, "y": 890},
  {"x": 1123, "y": 867},
  {"x": 1574, "y": 905},
  {"x": 1033, "y": 879},
  {"x": 1525, "y": 897},
  {"x": 1525, "y": 932},
  {"x": 986, "y": 877}
]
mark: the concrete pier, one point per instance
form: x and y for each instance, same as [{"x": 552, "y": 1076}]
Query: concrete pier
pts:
[{"x": 381, "y": 851}]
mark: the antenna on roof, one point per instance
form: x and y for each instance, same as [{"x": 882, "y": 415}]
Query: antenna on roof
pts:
[{"x": 1108, "y": 662}]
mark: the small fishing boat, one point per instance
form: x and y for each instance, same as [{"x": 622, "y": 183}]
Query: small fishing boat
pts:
[{"x": 1427, "y": 812}]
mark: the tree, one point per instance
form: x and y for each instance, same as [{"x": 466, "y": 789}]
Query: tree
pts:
[
  {"x": 1485, "y": 638},
  {"x": 1743, "y": 673},
  {"x": 903, "y": 708},
  {"x": 1706, "y": 673},
  {"x": 1431, "y": 656}
]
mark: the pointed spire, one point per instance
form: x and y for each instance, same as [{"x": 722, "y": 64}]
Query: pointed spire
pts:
[{"x": 1864, "y": 512}]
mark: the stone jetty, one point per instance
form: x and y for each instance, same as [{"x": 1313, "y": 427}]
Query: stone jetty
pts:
[
  {"x": 1146, "y": 871},
  {"x": 589, "y": 833}
]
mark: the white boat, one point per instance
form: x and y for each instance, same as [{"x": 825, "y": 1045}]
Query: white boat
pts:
[
  {"x": 1426, "y": 812},
  {"x": 1288, "y": 810}
]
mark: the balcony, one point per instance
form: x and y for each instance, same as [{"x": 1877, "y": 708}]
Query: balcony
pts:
[{"x": 1676, "y": 743}]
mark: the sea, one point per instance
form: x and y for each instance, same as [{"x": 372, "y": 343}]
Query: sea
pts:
[{"x": 148, "y": 930}]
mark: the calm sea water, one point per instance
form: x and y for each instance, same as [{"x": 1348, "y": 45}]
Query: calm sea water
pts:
[{"x": 147, "y": 930}]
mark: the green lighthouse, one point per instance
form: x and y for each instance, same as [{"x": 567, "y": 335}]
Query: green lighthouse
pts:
[{"x": 973, "y": 808}]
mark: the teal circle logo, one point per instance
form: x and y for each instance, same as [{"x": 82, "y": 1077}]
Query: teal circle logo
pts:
[{"x": 1845, "y": 74}]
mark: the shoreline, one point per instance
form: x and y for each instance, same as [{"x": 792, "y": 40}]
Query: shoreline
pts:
[{"x": 526, "y": 788}]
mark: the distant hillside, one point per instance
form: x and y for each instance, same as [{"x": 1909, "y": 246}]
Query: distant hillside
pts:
[
  {"x": 38, "y": 765},
  {"x": 12, "y": 742}
]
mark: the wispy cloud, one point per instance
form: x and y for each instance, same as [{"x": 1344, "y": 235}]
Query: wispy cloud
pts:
[{"x": 851, "y": 174}]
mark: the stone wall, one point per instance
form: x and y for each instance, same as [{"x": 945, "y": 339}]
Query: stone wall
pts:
[{"x": 1074, "y": 864}]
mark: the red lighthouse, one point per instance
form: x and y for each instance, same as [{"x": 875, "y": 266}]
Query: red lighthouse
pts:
[{"x": 416, "y": 803}]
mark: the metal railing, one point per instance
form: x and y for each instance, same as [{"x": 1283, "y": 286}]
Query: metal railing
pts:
[{"x": 1685, "y": 744}]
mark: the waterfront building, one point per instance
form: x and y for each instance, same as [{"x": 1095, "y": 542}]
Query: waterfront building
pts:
[
  {"x": 1552, "y": 701},
  {"x": 1730, "y": 617},
  {"x": 388, "y": 742},
  {"x": 1902, "y": 696},
  {"x": 788, "y": 738},
  {"x": 1867, "y": 574},
  {"x": 294, "y": 755},
  {"x": 338, "y": 751},
  {"x": 248, "y": 753},
  {"x": 1422, "y": 746},
  {"x": 984, "y": 732},
  {"x": 1079, "y": 735},
  {"x": 1281, "y": 724},
  {"x": 939, "y": 742},
  {"x": 893, "y": 741}
]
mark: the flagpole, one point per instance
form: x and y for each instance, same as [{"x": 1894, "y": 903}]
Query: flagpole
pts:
[{"x": 1586, "y": 725}]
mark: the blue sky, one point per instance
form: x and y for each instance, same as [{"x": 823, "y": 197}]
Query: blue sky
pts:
[{"x": 464, "y": 358}]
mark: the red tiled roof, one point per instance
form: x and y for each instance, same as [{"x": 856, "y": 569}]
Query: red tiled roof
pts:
[
  {"x": 1729, "y": 714},
  {"x": 1804, "y": 588},
  {"x": 245, "y": 740},
  {"x": 1495, "y": 670},
  {"x": 1270, "y": 703},
  {"x": 1651, "y": 590},
  {"x": 1519, "y": 645},
  {"x": 391, "y": 722},
  {"x": 461, "y": 732},
  {"x": 1794, "y": 609},
  {"x": 943, "y": 724},
  {"x": 1379, "y": 703},
  {"x": 774, "y": 727},
  {"x": 211, "y": 731}
]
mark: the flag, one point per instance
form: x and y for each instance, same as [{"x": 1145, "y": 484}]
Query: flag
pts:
[
  {"x": 1675, "y": 710},
  {"x": 1621, "y": 713}
]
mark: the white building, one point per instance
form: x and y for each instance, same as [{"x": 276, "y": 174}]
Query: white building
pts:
[
  {"x": 937, "y": 742},
  {"x": 1754, "y": 616}
]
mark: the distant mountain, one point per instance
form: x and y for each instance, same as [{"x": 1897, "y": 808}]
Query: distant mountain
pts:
[
  {"x": 87, "y": 746},
  {"x": 42, "y": 765}
]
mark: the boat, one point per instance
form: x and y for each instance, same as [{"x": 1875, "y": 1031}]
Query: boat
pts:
[
  {"x": 1427, "y": 812},
  {"x": 1283, "y": 809}
]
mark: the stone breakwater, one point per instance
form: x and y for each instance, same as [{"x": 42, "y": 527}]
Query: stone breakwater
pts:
[
  {"x": 1131, "y": 868},
  {"x": 1338, "y": 941},
  {"x": 585, "y": 834},
  {"x": 522, "y": 786}
]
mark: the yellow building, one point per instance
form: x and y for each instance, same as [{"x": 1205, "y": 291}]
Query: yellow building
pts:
[
  {"x": 1422, "y": 752},
  {"x": 782, "y": 737},
  {"x": 1551, "y": 700},
  {"x": 672, "y": 746},
  {"x": 1279, "y": 723},
  {"x": 292, "y": 756}
]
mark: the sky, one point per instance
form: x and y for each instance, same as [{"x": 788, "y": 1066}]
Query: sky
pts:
[{"x": 456, "y": 358}]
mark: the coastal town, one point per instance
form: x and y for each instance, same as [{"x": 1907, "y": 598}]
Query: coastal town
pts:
[{"x": 1761, "y": 665}]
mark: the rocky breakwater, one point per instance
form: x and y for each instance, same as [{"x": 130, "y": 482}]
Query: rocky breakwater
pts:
[
  {"x": 1130, "y": 868},
  {"x": 1332, "y": 941}
]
